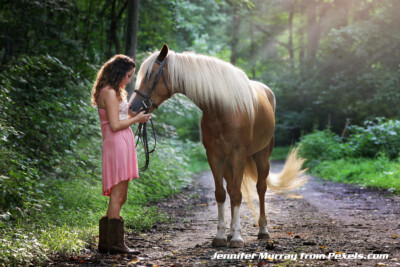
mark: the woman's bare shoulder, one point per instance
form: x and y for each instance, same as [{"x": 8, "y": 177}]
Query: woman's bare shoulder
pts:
[{"x": 109, "y": 92}]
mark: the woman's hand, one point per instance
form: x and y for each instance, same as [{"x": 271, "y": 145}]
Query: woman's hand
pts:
[
  {"x": 141, "y": 117},
  {"x": 132, "y": 113}
]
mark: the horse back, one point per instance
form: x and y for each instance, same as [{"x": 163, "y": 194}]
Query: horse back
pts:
[
  {"x": 266, "y": 91},
  {"x": 229, "y": 132}
]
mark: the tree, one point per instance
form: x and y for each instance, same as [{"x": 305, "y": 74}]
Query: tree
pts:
[{"x": 131, "y": 33}]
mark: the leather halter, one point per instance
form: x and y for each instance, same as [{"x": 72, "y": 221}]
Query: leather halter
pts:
[{"x": 147, "y": 103}]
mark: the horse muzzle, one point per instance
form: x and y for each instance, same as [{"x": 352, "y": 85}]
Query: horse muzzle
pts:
[{"x": 142, "y": 103}]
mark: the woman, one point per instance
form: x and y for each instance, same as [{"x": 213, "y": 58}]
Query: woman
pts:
[{"x": 119, "y": 155}]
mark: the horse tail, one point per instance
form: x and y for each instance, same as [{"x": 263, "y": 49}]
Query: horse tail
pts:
[
  {"x": 250, "y": 177},
  {"x": 290, "y": 178}
]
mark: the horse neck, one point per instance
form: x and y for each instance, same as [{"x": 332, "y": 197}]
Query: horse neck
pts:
[{"x": 203, "y": 108}]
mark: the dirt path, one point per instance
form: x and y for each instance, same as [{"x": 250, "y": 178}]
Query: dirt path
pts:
[{"x": 323, "y": 220}]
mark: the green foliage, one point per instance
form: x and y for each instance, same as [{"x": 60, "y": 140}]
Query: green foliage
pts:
[
  {"x": 50, "y": 159},
  {"x": 280, "y": 153},
  {"x": 20, "y": 190},
  {"x": 369, "y": 156},
  {"x": 178, "y": 118},
  {"x": 378, "y": 136},
  {"x": 320, "y": 146},
  {"x": 196, "y": 153},
  {"x": 50, "y": 138},
  {"x": 167, "y": 172},
  {"x": 378, "y": 173},
  {"x": 66, "y": 221},
  {"x": 43, "y": 98}
]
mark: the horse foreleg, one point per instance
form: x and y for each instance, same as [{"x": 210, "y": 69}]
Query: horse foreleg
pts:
[
  {"x": 216, "y": 166},
  {"x": 220, "y": 239},
  {"x": 236, "y": 240},
  {"x": 234, "y": 176}
]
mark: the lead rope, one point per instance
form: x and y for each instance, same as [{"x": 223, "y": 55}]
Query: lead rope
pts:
[{"x": 141, "y": 132}]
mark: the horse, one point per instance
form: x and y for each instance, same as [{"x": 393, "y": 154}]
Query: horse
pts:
[{"x": 237, "y": 129}]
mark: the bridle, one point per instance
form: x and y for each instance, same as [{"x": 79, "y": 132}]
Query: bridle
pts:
[{"x": 147, "y": 103}]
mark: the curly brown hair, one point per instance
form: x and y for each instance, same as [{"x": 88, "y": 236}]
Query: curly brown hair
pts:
[{"x": 111, "y": 74}]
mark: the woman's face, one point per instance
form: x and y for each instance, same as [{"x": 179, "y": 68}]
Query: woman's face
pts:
[{"x": 128, "y": 77}]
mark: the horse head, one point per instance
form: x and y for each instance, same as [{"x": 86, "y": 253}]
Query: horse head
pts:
[{"x": 154, "y": 87}]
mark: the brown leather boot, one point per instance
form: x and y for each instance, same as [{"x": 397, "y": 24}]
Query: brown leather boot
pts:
[
  {"x": 103, "y": 235},
  {"x": 116, "y": 240}
]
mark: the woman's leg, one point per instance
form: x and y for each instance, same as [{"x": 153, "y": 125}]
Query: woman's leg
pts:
[
  {"x": 116, "y": 237},
  {"x": 117, "y": 199}
]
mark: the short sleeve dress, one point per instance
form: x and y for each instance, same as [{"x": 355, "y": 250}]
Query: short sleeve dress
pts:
[{"x": 118, "y": 151}]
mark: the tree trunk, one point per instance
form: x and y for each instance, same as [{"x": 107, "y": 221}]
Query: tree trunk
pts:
[
  {"x": 235, "y": 37},
  {"x": 115, "y": 18},
  {"x": 312, "y": 30},
  {"x": 290, "y": 46},
  {"x": 301, "y": 39},
  {"x": 112, "y": 30},
  {"x": 314, "y": 26},
  {"x": 131, "y": 34},
  {"x": 252, "y": 48}
]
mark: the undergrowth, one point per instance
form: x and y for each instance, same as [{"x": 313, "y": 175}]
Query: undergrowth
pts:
[
  {"x": 66, "y": 220},
  {"x": 50, "y": 164},
  {"x": 280, "y": 153},
  {"x": 368, "y": 156},
  {"x": 377, "y": 173}
]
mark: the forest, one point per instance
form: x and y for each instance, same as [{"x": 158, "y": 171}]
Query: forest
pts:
[{"x": 334, "y": 66}]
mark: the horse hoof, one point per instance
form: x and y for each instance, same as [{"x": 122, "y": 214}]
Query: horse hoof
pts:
[
  {"x": 263, "y": 236},
  {"x": 219, "y": 242},
  {"x": 229, "y": 237},
  {"x": 236, "y": 244}
]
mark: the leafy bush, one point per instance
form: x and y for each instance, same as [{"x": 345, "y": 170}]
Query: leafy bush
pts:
[
  {"x": 169, "y": 170},
  {"x": 45, "y": 115},
  {"x": 320, "y": 146},
  {"x": 280, "y": 153},
  {"x": 67, "y": 221},
  {"x": 375, "y": 137},
  {"x": 50, "y": 164},
  {"x": 370, "y": 156},
  {"x": 20, "y": 189},
  {"x": 178, "y": 117},
  {"x": 42, "y": 100}
]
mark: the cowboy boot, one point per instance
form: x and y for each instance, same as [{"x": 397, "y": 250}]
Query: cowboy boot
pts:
[
  {"x": 116, "y": 240},
  {"x": 103, "y": 235}
]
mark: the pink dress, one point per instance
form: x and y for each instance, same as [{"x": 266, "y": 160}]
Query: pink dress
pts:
[{"x": 119, "y": 153}]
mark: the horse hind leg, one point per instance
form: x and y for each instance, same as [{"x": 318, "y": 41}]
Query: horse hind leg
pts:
[{"x": 263, "y": 166}]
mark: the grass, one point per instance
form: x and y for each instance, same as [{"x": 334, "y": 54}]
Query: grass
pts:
[
  {"x": 280, "y": 153},
  {"x": 66, "y": 220},
  {"x": 366, "y": 158},
  {"x": 375, "y": 173}
]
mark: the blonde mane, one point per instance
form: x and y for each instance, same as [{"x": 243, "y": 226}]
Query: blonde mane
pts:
[{"x": 207, "y": 81}]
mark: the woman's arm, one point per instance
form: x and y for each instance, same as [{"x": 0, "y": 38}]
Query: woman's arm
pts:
[{"x": 112, "y": 107}]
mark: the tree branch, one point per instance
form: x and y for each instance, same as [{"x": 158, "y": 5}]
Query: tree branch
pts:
[{"x": 122, "y": 10}]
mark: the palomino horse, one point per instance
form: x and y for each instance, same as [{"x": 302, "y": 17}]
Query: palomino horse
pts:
[{"x": 237, "y": 128}]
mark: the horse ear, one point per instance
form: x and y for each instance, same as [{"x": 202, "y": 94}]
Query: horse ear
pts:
[{"x": 163, "y": 53}]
